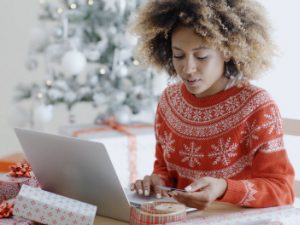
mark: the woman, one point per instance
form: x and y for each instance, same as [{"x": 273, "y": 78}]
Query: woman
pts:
[{"x": 218, "y": 136}]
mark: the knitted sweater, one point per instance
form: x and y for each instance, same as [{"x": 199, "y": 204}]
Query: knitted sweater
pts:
[{"x": 235, "y": 134}]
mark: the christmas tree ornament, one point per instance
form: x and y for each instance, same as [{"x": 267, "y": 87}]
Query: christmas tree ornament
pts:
[
  {"x": 73, "y": 62},
  {"x": 43, "y": 113}
]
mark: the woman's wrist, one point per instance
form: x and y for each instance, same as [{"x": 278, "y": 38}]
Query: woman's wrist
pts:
[{"x": 224, "y": 185}]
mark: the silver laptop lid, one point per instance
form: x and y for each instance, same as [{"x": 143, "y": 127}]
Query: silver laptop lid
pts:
[{"x": 75, "y": 168}]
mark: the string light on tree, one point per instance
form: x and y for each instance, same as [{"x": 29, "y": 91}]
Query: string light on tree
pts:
[
  {"x": 90, "y": 2},
  {"x": 73, "y": 6},
  {"x": 40, "y": 95},
  {"x": 60, "y": 10},
  {"x": 49, "y": 83},
  {"x": 136, "y": 62}
]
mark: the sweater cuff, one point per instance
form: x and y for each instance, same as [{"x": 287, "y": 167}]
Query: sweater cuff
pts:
[{"x": 234, "y": 193}]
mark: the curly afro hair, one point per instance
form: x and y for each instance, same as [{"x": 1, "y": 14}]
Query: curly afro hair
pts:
[{"x": 235, "y": 27}]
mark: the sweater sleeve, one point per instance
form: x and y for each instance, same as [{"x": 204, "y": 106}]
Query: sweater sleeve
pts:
[
  {"x": 271, "y": 183},
  {"x": 160, "y": 167}
]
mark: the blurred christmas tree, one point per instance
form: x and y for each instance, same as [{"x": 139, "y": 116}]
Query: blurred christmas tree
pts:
[{"x": 88, "y": 56}]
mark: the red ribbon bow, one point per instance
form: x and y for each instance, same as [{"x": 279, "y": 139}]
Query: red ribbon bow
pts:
[
  {"x": 20, "y": 170},
  {"x": 6, "y": 210}
]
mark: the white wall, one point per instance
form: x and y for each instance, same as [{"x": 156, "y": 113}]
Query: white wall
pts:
[
  {"x": 283, "y": 81},
  {"x": 16, "y": 20},
  {"x": 18, "y": 17}
]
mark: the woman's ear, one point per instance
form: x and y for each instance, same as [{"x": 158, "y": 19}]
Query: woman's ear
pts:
[{"x": 227, "y": 56}]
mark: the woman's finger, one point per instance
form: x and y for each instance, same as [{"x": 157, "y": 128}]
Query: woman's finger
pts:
[
  {"x": 157, "y": 181},
  {"x": 139, "y": 187},
  {"x": 147, "y": 185},
  {"x": 197, "y": 185}
]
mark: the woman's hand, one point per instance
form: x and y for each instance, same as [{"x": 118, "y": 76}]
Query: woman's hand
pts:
[
  {"x": 201, "y": 193},
  {"x": 149, "y": 185}
]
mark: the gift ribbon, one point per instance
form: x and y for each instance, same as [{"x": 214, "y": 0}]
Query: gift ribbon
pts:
[
  {"x": 157, "y": 213},
  {"x": 132, "y": 143},
  {"x": 20, "y": 170},
  {"x": 6, "y": 210}
]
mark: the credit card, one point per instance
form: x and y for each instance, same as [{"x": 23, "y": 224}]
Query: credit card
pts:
[{"x": 164, "y": 188}]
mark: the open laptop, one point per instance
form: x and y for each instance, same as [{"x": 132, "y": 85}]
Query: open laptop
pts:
[{"x": 78, "y": 169}]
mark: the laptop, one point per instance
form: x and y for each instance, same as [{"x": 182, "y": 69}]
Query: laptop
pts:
[{"x": 79, "y": 169}]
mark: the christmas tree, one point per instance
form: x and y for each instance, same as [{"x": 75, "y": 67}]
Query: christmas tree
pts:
[{"x": 88, "y": 55}]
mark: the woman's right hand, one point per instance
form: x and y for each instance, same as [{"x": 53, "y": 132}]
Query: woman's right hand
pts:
[{"x": 149, "y": 186}]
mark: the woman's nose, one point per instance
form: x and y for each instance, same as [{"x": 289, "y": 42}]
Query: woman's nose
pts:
[{"x": 189, "y": 66}]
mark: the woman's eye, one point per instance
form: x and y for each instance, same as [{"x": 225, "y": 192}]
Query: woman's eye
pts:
[
  {"x": 178, "y": 56},
  {"x": 202, "y": 58}
]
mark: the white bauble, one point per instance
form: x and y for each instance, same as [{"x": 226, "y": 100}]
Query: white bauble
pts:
[
  {"x": 43, "y": 113},
  {"x": 122, "y": 70},
  {"x": 73, "y": 62},
  {"x": 123, "y": 115}
]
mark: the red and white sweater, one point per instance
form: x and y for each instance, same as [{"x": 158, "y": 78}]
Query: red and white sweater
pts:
[{"x": 235, "y": 134}]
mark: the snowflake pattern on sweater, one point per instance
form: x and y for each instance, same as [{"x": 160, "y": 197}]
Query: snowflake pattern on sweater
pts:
[{"x": 235, "y": 134}]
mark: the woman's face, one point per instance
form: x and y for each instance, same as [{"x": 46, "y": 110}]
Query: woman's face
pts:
[{"x": 201, "y": 68}]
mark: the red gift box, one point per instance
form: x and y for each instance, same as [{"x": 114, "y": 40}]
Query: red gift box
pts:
[{"x": 10, "y": 186}]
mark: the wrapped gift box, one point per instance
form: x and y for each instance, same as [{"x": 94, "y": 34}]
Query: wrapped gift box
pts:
[
  {"x": 6, "y": 217},
  {"x": 17, "y": 221},
  {"x": 129, "y": 164},
  {"x": 52, "y": 209},
  {"x": 10, "y": 186}
]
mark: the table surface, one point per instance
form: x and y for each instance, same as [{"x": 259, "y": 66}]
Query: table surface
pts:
[{"x": 214, "y": 209}]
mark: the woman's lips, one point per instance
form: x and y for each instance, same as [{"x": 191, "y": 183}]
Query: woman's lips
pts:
[{"x": 192, "y": 82}]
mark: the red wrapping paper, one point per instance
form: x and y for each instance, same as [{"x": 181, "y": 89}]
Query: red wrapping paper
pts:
[{"x": 10, "y": 186}]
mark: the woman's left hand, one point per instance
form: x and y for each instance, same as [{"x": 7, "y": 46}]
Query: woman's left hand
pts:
[{"x": 201, "y": 193}]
